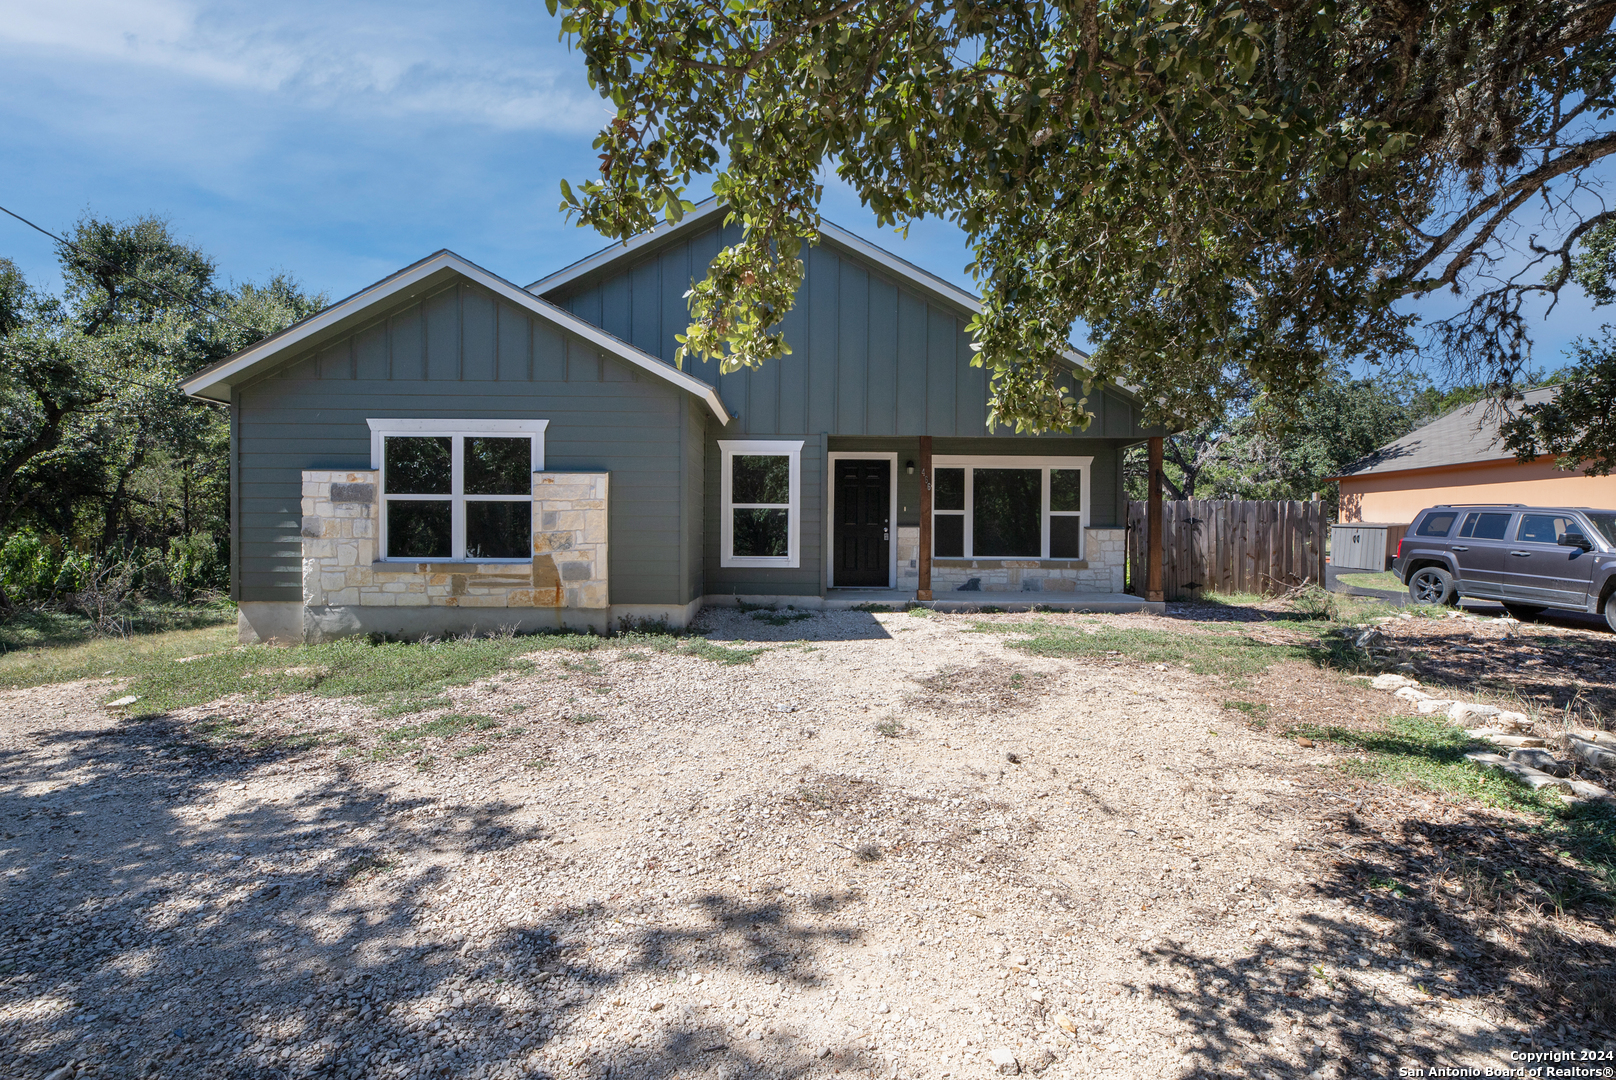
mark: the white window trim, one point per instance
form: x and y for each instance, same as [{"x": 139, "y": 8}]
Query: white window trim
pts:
[
  {"x": 459, "y": 430},
  {"x": 787, "y": 448},
  {"x": 892, "y": 510},
  {"x": 970, "y": 463}
]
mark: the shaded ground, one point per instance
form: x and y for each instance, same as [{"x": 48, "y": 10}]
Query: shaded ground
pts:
[{"x": 853, "y": 843}]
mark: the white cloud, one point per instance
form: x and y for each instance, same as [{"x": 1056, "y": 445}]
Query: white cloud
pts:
[{"x": 495, "y": 66}]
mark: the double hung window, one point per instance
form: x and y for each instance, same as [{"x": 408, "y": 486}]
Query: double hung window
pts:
[
  {"x": 457, "y": 490},
  {"x": 761, "y": 481},
  {"x": 1009, "y": 507}
]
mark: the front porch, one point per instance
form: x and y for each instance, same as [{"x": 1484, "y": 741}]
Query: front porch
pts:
[{"x": 839, "y": 599}]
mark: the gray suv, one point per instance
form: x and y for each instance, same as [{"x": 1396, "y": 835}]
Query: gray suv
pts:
[{"x": 1525, "y": 557}]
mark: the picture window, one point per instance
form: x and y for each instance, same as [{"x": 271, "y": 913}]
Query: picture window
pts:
[
  {"x": 1009, "y": 508},
  {"x": 451, "y": 492}
]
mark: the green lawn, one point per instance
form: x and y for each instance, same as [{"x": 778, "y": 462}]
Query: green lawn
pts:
[{"x": 1370, "y": 580}]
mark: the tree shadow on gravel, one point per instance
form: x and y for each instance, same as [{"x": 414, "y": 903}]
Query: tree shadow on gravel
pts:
[
  {"x": 1469, "y": 915},
  {"x": 154, "y": 924}
]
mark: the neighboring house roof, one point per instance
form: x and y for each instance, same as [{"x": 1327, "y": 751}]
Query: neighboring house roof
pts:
[
  {"x": 214, "y": 382},
  {"x": 1468, "y": 435},
  {"x": 710, "y": 212}
]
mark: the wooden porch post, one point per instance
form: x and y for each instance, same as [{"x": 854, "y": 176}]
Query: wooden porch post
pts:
[
  {"x": 1153, "y": 519},
  {"x": 923, "y": 592}
]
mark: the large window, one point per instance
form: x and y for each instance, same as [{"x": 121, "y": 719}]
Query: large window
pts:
[
  {"x": 761, "y": 482},
  {"x": 457, "y": 490},
  {"x": 1009, "y": 508}
]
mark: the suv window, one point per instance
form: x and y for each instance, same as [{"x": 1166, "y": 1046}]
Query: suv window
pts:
[
  {"x": 1546, "y": 528},
  {"x": 1485, "y": 526},
  {"x": 1605, "y": 523},
  {"x": 1437, "y": 524}
]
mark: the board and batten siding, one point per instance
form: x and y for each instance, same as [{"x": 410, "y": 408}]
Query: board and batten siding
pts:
[
  {"x": 874, "y": 363},
  {"x": 869, "y": 355},
  {"x": 462, "y": 353}
]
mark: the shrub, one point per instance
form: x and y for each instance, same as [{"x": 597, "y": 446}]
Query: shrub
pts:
[
  {"x": 192, "y": 563},
  {"x": 34, "y": 567}
]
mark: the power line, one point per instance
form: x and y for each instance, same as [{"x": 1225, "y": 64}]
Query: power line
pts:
[{"x": 150, "y": 284}]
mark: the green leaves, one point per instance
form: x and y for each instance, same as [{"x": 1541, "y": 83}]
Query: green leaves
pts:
[{"x": 1223, "y": 194}]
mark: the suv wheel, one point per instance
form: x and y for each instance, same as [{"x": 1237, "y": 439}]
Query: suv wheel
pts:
[
  {"x": 1523, "y": 612},
  {"x": 1431, "y": 585}
]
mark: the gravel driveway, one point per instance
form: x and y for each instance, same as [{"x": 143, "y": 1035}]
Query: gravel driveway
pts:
[{"x": 887, "y": 844}]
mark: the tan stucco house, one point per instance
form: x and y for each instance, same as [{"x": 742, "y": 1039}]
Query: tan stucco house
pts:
[{"x": 1461, "y": 458}]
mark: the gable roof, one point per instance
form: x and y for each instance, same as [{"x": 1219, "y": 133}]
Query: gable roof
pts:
[
  {"x": 214, "y": 382},
  {"x": 1467, "y": 435},
  {"x": 710, "y": 212}
]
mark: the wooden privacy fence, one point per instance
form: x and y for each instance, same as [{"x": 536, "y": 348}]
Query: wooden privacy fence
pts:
[{"x": 1227, "y": 546}]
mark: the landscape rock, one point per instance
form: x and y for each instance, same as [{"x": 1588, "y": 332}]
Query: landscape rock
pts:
[
  {"x": 1599, "y": 738},
  {"x": 123, "y": 702},
  {"x": 1590, "y": 753},
  {"x": 1535, "y": 779},
  {"x": 1434, "y": 705},
  {"x": 1586, "y": 789},
  {"x": 1410, "y": 693},
  {"x": 1513, "y": 742},
  {"x": 1541, "y": 760},
  {"x": 1392, "y": 682},
  {"x": 1003, "y": 1060},
  {"x": 1461, "y": 711}
]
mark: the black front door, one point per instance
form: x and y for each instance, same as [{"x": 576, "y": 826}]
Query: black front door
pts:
[{"x": 863, "y": 530}]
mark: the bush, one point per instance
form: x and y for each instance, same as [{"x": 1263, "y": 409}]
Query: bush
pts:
[
  {"x": 34, "y": 568},
  {"x": 192, "y": 563}
]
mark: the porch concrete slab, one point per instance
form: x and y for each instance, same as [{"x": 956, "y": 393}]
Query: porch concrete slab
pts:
[{"x": 1096, "y": 602}]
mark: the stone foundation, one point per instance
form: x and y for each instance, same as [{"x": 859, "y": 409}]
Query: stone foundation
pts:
[
  {"x": 909, "y": 556},
  {"x": 1102, "y": 572},
  {"x": 341, "y": 570}
]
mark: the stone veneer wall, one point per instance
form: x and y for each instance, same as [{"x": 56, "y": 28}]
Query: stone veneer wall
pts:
[
  {"x": 1101, "y": 572},
  {"x": 341, "y": 519}
]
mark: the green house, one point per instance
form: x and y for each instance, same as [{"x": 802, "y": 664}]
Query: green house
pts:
[{"x": 448, "y": 452}]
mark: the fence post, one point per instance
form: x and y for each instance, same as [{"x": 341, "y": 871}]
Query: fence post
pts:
[{"x": 1153, "y": 553}]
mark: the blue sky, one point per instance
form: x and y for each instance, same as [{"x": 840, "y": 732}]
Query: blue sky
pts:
[{"x": 335, "y": 141}]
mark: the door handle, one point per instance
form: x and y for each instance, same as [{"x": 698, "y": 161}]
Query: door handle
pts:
[
  {"x": 1456, "y": 547},
  {"x": 1522, "y": 554}
]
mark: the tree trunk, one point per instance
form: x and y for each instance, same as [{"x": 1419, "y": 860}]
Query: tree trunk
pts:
[{"x": 119, "y": 499}]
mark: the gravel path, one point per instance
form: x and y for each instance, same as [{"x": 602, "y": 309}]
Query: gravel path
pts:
[{"x": 887, "y": 845}]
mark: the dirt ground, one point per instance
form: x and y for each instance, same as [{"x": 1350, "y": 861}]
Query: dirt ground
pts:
[{"x": 886, "y": 845}]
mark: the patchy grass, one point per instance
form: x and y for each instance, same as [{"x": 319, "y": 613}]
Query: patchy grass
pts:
[
  {"x": 781, "y": 618},
  {"x": 362, "y": 869},
  {"x": 442, "y": 727},
  {"x": 106, "y": 657},
  {"x": 1415, "y": 751},
  {"x": 1229, "y": 652},
  {"x": 703, "y": 649},
  {"x": 397, "y": 678},
  {"x": 1419, "y": 752},
  {"x": 27, "y": 630}
]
